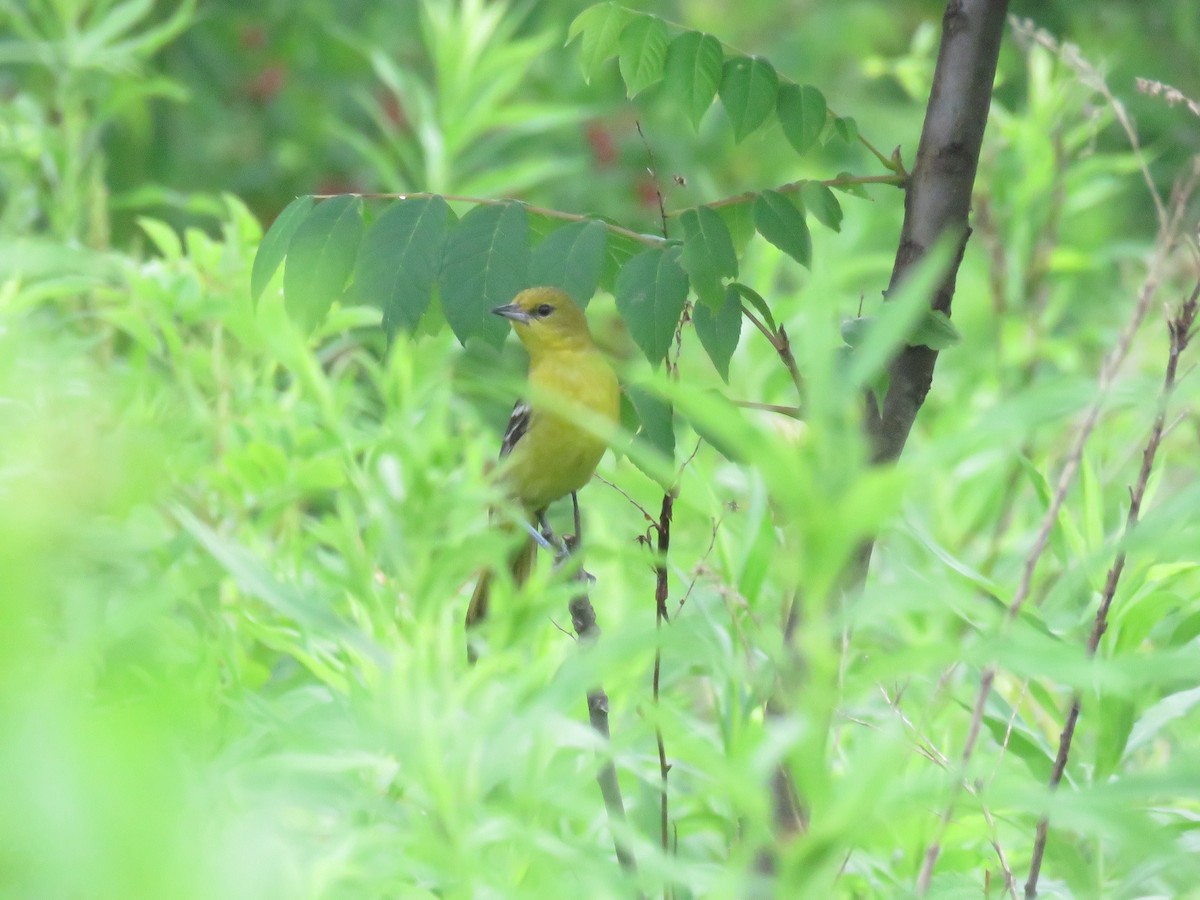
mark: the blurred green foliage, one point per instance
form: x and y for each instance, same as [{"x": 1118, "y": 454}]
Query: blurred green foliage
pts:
[{"x": 234, "y": 558}]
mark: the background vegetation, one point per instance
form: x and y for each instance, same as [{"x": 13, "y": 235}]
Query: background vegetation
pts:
[{"x": 234, "y": 558}]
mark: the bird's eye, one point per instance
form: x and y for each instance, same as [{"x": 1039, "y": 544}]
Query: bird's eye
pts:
[{"x": 544, "y": 310}]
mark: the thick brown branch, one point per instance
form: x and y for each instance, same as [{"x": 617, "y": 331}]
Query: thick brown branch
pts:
[
  {"x": 938, "y": 198},
  {"x": 937, "y": 203}
]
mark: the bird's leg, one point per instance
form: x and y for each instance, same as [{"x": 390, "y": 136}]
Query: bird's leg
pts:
[
  {"x": 548, "y": 533},
  {"x": 540, "y": 537},
  {"x": 561, "y": 546},
  {"x": 571, "y": 543}
]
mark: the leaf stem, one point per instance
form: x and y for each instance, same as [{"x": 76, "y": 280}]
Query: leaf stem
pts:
[
  {"x": 792, "y": 412},
  {"x": 650, "y": 240},
  {"x": 792, "y": 186}
]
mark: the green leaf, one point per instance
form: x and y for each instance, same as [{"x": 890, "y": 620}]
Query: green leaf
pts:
[
  {"x": 720, "y": 331},
  {"x": 739, "y": 220},
  {"x": 748, "y": 89},
  {"x": 802, "y": 113},
  {"x": 1167, "y": 710},
  {"x": 621, "y": 248},
  {"x": 165, "y": 239},
  {"x": 643, "y": 50},
  {"x": 780, "y": 222},
  {"x": 820, "y": 201},
  {"x": 884, "y": 334},
  {"x": 275, "y": 243},
  {"x": 1022, "y": 742},
  {"x": 650, "y": 291},
  {"x": 571, "y": 258},
  {"x": 601, "y": 26},
  {"x": 715, "y": 419},
  {"x": 693, "y": 71},
  {"x": 755, "y": 299},
  {"x": 657, "y": 420},
  {"x": 320, "y": 258},
  {"x": 1114, "y": 718},
  {"x": 935, "y": 331},
  {"x": 1041, "y": 486},
  {"x": 708, "y": 254},
  {"x": 1186, "y": 631},
  {"x": 845, "y": 128},
  {"x": 400, "y": 258},
  {"x": 486, "y": 263},
  {"x": 256, "y": 579},
  {"x": 1092, "y": 513}
]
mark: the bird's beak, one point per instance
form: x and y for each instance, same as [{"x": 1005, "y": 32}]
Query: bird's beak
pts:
[{"x": 512, "y": 311}]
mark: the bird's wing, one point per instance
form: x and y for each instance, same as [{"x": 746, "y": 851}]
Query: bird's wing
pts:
[{"x": 518, "y": 424}]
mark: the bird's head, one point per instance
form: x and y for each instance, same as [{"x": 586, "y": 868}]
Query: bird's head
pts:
[{"x": 545, "y": 318}]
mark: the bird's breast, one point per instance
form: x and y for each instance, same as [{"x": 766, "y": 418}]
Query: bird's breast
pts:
[{"x": 560, "y": 450}]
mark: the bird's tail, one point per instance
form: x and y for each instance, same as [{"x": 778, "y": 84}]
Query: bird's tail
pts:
[{"x": 520, "y": 564}]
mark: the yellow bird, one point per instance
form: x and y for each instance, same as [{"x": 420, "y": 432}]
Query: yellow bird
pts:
[{"x": 551, "y": 446}]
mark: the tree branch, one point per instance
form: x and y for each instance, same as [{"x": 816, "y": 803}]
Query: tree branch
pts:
[
  {"x": 660, "y": 616},
  {"x": 652, "y": 240},
  {"x": 1167, "y": 241},
  {"x": 792, "y": 412},
  {"x": 583, "y": 620},
  {"x": 1179, "y": 328},
  {"x": 782, "y": 344},
  {"x": 896, "y": 180},
  {"x": 938, "y": 198}
]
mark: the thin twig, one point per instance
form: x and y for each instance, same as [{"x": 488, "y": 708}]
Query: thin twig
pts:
[
  {"x": 1093, "y": 78},
  {"x": 1167, "y": 241},
  {"x": 664, "y": 545},
  {"x": 792, "y": 186},
  {"x": 782, "y": 345},
  {"x": 1179, "y": 329},
  {"x": 712, "y": 542},
  {"x": 554, "y": 622},
  {"x": 767, "y": 332},
  {"x": 624, "y": 493},
  {"x": 687, "y": 462},
  {"x": 653, "y": 170},
  {"x": 660, "y": 616},
  {"x": 652, "y": 240},
  {"x": 1108, "y": 370},
  {"x": 583, "y": 620},
  {"x": 792, "y": 412},
  {"x": 927, "y": 749},
  {"x": 789, "y": 362},
  {"x": 1036, "y": 288},
  {"x": 1010, "y": 884},
  {"x": 685, "y": 317}
]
